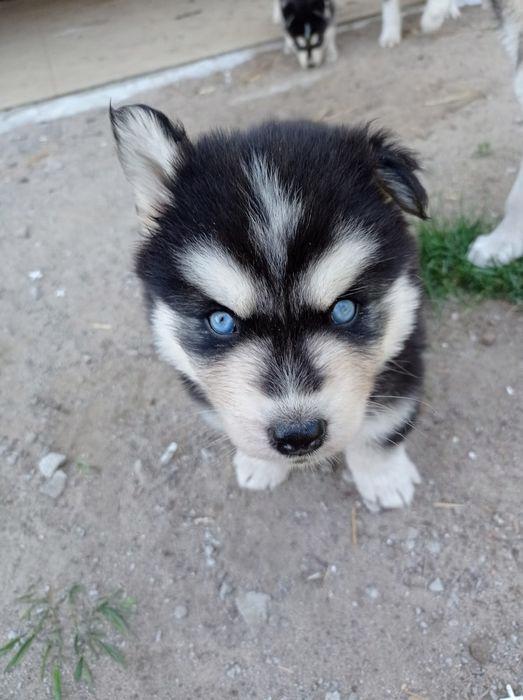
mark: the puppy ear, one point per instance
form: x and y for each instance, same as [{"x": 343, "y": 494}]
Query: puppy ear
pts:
[
  {"x": 396, "y": 175},
  {"x": 150, "y": 149}
]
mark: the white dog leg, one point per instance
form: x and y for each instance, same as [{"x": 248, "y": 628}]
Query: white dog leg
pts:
[
  {"x": 385, "y": 477},
  {"x": 391, "y": 23},
  {"x": 276, "y": 12},
  {"x": 257, "y": 474},
  {"x": 331, "y": 52},
  {"x": 436, "y": 12},
  {"x": 505, "y": 243}
]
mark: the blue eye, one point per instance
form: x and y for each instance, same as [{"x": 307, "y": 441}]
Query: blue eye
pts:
[
  {"x": 222, "y": 322},
  {"x": 343, "y": 311}
]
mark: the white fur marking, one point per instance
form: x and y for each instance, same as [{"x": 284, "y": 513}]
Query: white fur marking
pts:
[
  {"x": 148, "y": 158},
  {"x": 401, "y": 303},
  {"x": 281, "y": 211},
  {"x": 221, "y": 278},
  {"x": 165, "y": 325},
  {"x": 385, "y": 421},
  {"x": 385, "y": 478},
  {"x": 332, "y": 274}
]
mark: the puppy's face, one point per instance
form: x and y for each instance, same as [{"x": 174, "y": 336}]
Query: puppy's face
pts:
[
  {"x": 280, "y": 275},
  {"x": 305, "y": 23}
]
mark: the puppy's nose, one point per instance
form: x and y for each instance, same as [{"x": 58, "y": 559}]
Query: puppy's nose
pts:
[{"x": 293, "y": 439}]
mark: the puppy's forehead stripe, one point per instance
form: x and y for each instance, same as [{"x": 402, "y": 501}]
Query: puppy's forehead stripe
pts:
[
  {"x": 275, "y": 214},
  {"x": 329, "y": 276},
  {"x": 221, "y": 278}
]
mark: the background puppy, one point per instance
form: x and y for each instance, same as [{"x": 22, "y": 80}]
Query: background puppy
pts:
[
  {"x": 505, "y": 243},
  {"x": 309, "y": 28},
  {"x": 282, "y": 284}
]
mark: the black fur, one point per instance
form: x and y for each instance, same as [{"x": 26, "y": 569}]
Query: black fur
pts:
[{"x": 340, "y": 175}]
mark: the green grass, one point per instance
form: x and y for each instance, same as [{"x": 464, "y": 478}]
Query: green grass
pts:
[
  {"x": 69, "y": 630},
  {"x": 447, "y": 273}
]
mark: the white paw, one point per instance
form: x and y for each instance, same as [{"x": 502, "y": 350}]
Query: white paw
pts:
[
  {"x": 387, "y": 481},
  {"x": 431, "y": 21},
  {"x": 497, "y": 248},
  {"x": 257, "y": 474},
  {"x": 391, "y": 36}
]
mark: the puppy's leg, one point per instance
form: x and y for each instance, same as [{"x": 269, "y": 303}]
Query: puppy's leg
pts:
[
  {"x": 331, "y": 52},
  {"x": 276, "y": 12},
  {"x": 436, "y": 12},
  {"x": 505, "y": 243},
  {"x": 384, "y": 476},
  {"x": 288, "y": 46},
  {"x": 257, "y": 474},
  {"x": 391, "y": 23}
]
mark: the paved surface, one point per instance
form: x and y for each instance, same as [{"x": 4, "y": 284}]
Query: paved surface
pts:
[
  {"x": 424, "y": 603},
  {"x": 54, "y": 47}
]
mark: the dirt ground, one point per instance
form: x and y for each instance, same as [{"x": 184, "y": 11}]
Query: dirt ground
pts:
[{"x": 422, "y": 603}]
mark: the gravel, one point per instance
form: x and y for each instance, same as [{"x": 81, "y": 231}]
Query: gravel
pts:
[
  {"x": 54, "y": 486},
  {"x": 253, "y": 607},
  {"x": 50, "y": 463}
]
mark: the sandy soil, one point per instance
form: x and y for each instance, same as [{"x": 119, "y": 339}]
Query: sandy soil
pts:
[{"x": 425, "y": 603}]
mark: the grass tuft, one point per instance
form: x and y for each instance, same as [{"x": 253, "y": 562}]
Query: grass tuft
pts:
[
  {"x": 70, "y": 629},
  {"x": 446, "y": 272}
]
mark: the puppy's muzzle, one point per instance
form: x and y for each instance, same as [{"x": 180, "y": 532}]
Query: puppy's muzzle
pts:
[{"x": 295, "y": 439}]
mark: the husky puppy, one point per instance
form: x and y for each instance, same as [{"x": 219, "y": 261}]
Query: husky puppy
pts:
[
  {"x": 434, "y": 14},
  {"x": 309, "y": 28},
  {"x": 282, "y": 284},
  {"x": 505, "y": 243}
]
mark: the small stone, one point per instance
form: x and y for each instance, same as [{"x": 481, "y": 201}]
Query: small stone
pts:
[
  {"x": 180, "y": 611},
  {"x": 60, "y": 292},
  {"x": 168, "y": 454},
  {"x": 488, "y": 339},
  {"x": 333, "y": 695},
  {"x": 139, "y": 472},
  {"x": 54, "y": 486},
  {"x": 225, "y": 590},
  {"x": 434, "y": 547},
  {"x": 253, "y": 607},
  {"x": 372, "y": 592},
  {"x": 472, "y": 455},
  {"x": 510, "y": 390},
  {"x": 436, "y": 586},
  {"x": 233, "y": 671},
  {"x": 35, "y": 275},
  {"x": 481, "y": 649},
  {"x": 50, "y": 463}
]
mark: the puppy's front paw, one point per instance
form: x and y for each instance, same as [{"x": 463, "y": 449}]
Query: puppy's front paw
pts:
[
  {"x": 497, "y": 248},
  {"x": 390, "y": 36},
  {"x": 384, "y": 478},
  {"x": 257, "y": 474}
]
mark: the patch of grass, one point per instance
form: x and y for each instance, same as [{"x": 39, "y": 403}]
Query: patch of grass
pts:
[
  {"x": 446, "y": 272},
  {"x": 70, "y": 630},
  {"x": 483, "y": 150}
]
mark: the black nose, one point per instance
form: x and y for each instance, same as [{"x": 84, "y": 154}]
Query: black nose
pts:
[{"x": 294, "y": 439}]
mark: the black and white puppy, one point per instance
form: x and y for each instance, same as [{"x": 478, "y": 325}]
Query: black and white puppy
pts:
[
  {"x": 282, "y": 284},
  {"x": 309, "y": 28},
  {"x": 434, "y": 14}
]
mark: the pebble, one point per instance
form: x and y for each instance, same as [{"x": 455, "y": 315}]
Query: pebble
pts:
[
  {"x": 333, "y": 696},
  {"x": 139, "y": 472},
  {"x": 510, "y": 390},
  {"x": 472, "y": 455},
  {"x": 225, "y": 590},
  {"x": 481, "y": 649},
  {"x": 372, "y": 592},
  {"x": 168, "y": 454},
  {"x": 35, "y": 275},
  {"x": 233, "y": 671},
  {"x": 54, "y": 486},
  {"x": 253, "y": 607},
  {"x": 436, "y": 586},
  {"x": 488, "y": 339},
  {"x": 180, "y": 611},
  {"x": 50, "y": 463}
]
